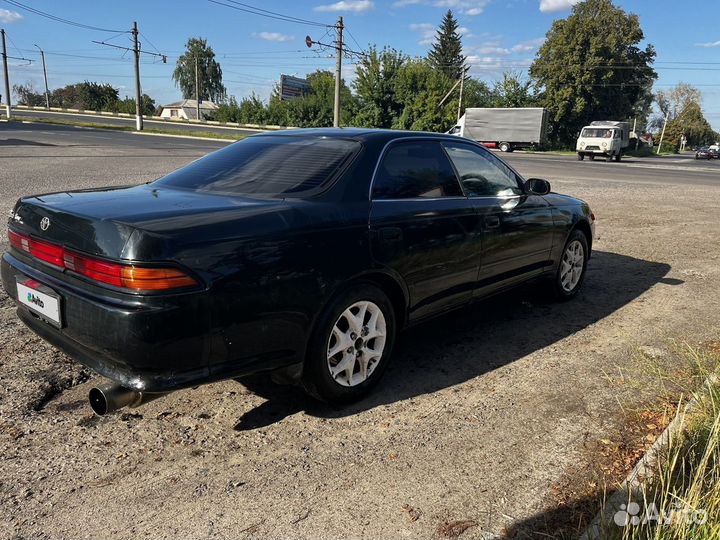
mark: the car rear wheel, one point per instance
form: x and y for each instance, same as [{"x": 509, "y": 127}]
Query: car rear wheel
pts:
[
  {"x": 351, "y": 346},
  {"x": 573, "y": 264}
]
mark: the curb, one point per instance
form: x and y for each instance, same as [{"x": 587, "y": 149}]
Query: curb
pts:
[
  {"x": 145, "y": 133},
  {"x": 631, "y": 488}
]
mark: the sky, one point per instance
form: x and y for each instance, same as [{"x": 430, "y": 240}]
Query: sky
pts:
[{"x": 253, "y": 51}]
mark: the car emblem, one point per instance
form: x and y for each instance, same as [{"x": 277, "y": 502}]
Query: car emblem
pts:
[{"x": 45, "y": 223}]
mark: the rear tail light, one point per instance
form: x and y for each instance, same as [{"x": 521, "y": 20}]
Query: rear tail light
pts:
[{"x": 127, "y": 276}]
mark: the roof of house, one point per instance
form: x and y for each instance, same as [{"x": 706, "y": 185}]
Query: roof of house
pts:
[{"x": 191, "y": 103}]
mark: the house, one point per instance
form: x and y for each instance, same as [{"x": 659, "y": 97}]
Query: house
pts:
[{"x": 187, "y": 110}]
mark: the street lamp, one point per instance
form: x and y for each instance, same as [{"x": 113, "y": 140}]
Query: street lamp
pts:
[{"x": 47, "y": 93}]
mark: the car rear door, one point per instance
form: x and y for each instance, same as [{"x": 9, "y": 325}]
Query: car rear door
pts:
[
  {"x": 422, "y": 227},
  {"x": 517, "y": 226}
]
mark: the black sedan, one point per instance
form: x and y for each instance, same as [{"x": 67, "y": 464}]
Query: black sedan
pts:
[{"x": 302, "y": 252}]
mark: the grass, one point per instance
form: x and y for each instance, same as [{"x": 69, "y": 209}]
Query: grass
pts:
[
  {"x": 682, "y": 498},
  {"x": 96, "y": 125}
]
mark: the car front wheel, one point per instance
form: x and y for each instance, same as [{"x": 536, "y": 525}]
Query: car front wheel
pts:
[
  {"x": 573, "y": 264},
  {"x": 351, "y": 346}
]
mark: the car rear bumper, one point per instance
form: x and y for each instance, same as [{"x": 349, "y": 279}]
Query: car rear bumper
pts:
[{"x": 153, "y": 344}]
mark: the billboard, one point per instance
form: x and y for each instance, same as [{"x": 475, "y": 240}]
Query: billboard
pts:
[{"x": 292, "y": 87}]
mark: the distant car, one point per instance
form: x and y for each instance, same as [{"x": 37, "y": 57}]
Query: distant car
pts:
[
  {"x": 714, "y": 153},
  {"x": 705, "y": 153},
  {"x": 304, "y": 250}
]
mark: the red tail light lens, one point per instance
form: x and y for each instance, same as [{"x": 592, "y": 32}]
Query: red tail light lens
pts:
[{"x": 127, "y": 276}]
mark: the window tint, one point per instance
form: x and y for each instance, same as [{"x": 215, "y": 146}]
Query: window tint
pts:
[
  {"x": 415, "y": 169},
  {"x": 267, "y": 165},
  {"x": 481, "y": 173}
]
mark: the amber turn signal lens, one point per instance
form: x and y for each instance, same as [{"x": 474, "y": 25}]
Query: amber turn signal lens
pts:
[{"x": 154, "y": 279}]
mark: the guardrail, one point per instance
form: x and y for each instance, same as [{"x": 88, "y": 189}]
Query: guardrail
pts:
[{"x": 268, "y": 127}]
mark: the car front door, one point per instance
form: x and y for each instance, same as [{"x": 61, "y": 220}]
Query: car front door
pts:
[
  {"x": 517, "y": 226},
  {"x": 423, "y": 228}
]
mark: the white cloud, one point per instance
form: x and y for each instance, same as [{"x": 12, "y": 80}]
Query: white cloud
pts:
[
  {"x": 500, "y": 51},
  {"x": 9, "y": 17},
  {"x": 355, "y": 6},
  {"x": 466, "y": 7},
  {"x": 709, "y": 44},
  {"x": 273, "y": 36},
  {"x": 551, "y": 6},
  {"x": 426, "y": 31},
  {"x": 527, "y": 46}
]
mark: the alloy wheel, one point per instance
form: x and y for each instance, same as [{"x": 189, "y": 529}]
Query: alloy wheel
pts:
[
  {"x": 572, "y": 265},
  {"x": 356, "y": 343}
]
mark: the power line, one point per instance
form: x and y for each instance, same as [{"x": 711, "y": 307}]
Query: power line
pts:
[
  {"x": 269, "y": 14},
  {"x": 60, "y": 19}
]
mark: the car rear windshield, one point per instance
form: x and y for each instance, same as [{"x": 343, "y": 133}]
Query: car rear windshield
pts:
[{"x": 267, "y": 166}]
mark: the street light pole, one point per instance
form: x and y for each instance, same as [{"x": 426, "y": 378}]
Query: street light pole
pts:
[{"x": 47, "y": 92}]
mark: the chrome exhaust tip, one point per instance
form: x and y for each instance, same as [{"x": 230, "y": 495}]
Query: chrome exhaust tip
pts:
[{"x": 111, "y": 397}]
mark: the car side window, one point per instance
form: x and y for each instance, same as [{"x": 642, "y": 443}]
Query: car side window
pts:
[
  {"x": 481, "y": 173},
  {"x": 411, "y": 170}
]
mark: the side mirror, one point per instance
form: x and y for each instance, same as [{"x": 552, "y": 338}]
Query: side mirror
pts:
[{"x": 537, "y": 186}]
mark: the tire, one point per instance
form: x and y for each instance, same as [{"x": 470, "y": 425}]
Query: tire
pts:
[
  {"x": 505, "y": 147},
  {"x": 566, "y": 289},
  {"x": 581, "y": 157},
  {"x": 347, "y": 385},
  {"x": 618, "y": 158},
  {"x": 591, "y": 157}
]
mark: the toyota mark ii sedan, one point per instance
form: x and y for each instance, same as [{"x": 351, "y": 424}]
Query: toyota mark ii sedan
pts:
[{"x": 300, "y": 252}]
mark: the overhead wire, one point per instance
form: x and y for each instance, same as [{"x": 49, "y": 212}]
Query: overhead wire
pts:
[
  {"x": 265, "y": 13},
  {"x": 77, "y": 24}
]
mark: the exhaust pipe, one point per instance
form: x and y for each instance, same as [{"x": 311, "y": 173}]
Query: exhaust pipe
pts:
[{"x": 111, "y": 397}]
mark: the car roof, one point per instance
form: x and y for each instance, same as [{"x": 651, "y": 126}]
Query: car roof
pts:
[{"x": 359, "y": 134}]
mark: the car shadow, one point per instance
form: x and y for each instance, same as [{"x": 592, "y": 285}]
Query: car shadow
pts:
[{"x": 474, "y": 340}]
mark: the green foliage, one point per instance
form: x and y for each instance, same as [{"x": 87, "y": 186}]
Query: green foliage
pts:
[
  {"x": 209, "y": 72},
  {"x": 87, "y": 96},
  {"x": 375, "y": 87},
  {"x": 26, "y": 95},
  {"x": 590, "y": 67},
  {"x": 512, "y": 91},
  {"x": 446, "y": 53},
  {"x": 692, "y": 123}
]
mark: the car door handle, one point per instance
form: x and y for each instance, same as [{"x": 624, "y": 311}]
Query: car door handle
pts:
[
  {"x": 492, "y": 222},
  {"x": 391, "y": 234}
]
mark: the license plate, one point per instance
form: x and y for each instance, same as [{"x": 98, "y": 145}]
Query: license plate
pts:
[{"x": 40, "y": 299}]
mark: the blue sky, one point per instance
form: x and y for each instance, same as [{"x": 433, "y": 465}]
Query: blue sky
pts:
[{"x": 253, "y": 51}]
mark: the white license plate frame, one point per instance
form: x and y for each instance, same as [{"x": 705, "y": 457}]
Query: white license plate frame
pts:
[{"x": 41, "y": 300}]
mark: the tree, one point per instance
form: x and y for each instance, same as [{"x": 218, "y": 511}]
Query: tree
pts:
[
  {"x": 26, "y": 95},
  {"x": 692, "y": 123},
  {"x": 446, "y": 53},
  {"x": 209, "y": 72},
  {"x": 512, "y": 91},
  {"x": 672, "y": 102},
  {"x": 375, "y": 88},
  {"x": 591, "y": 68}
]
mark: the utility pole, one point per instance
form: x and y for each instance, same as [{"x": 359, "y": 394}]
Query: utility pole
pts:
[
  {"x": 138, "y": 92},
  {"x": 197, "y": 89},
  {"x": 662, "y": 135},
  {"x": 462, "y": 82},
  {"x": 7, "y": 77},
  {"x": 47, "y": 92},
  {"x": 338, "y": 71}
]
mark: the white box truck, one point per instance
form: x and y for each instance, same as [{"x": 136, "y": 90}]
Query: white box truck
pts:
[
  {"x": 605, "y": 138},
  {"x": 504, "y": 128}
]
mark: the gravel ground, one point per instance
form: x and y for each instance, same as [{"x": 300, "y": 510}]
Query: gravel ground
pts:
[{"x": 479, "y": 416}]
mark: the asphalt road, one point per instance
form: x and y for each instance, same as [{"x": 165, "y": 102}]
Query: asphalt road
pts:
[{"x": 123, "y": 121}]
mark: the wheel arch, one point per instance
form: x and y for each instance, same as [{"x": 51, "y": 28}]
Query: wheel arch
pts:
[{"x": 584, "y": 226}]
